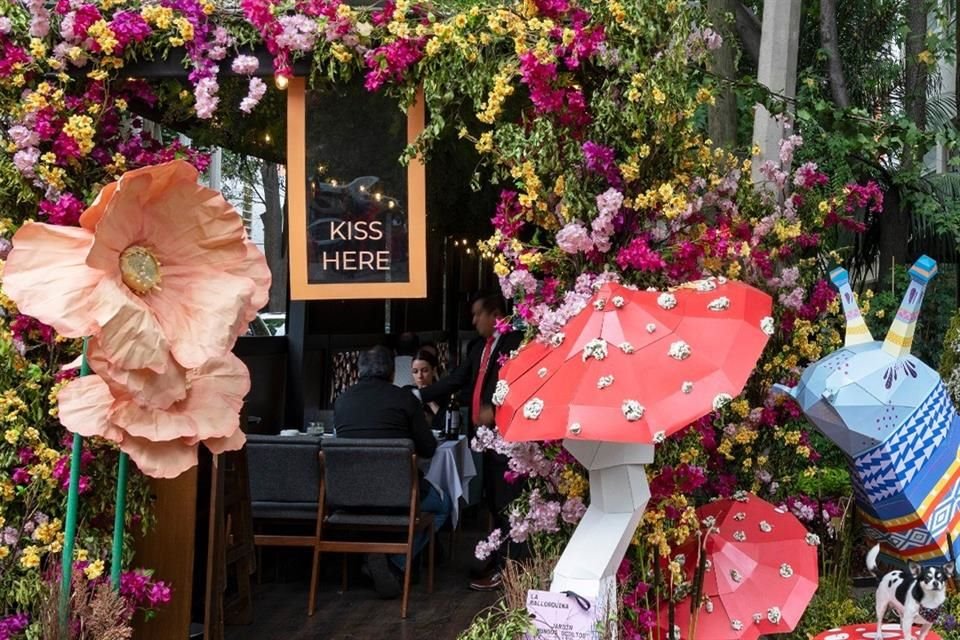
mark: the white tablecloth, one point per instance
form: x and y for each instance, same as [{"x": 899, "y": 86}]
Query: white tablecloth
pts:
[{"x": 451, "y": 468}]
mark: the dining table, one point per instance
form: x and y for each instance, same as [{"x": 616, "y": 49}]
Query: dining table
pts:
[{"x": 450, "y": 470}]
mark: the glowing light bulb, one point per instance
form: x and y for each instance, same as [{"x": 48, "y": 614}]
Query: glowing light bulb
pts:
[
  {"x": 281, "y": 82},
  {"x": 266, "y": 137}
]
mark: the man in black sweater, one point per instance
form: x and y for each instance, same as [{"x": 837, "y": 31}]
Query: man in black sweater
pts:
[
  {"x": 478, "y": 376},
  {"x": 375, "y": 408}
]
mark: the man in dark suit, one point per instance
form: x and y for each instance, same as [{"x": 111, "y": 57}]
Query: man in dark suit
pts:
[
  {"x": 478, "y": 376},
  {"x": 375, "y": 408}
]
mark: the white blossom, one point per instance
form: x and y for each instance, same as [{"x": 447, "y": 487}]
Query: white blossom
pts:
[
  {"x": 767, "y": 325},
  {"x": 618, "y": 302},
  {"x": 765, "y": 526},
  {"x": 687, "y": 386},
  {"x": 627, "y": 348},
  {"x": 596, "y": 348},
  {"x": 500, "y": 392},
  {"x": 659, "y": 437},
  {"x": 735, "y": 575},
  {"x": 773, "y": 615},
  {"x": 786, "y": 570},
  {"x": 679, "y": 350},
  {"x": 740, "y": 536},
  {"x": 542, "y": 372},
  {"x": 721, "y": 400},
  {"x": 632, "y": 410},
  {"x": 651, "y": 327},
  {"x": 736, "y": 625},
  {"x": 533, "y": 408},
  {"x": 719, "y": 304},
  {"x": 667, "y": 300},
  {"x": 599, "y": 304},
  {"x": 813, "y": 540},
  {"x": 557, "y": 339},
  {"x": 706, "y": 285},
  {"x": 739, "y": 516},
  {"x": 604, "y": 382},
  {"x": 575, "y": 428}
]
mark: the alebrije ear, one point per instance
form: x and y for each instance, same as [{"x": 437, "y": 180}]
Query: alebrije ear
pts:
[
  {"x": 949, "y": 569},
  {"x": 857, "y": 330},
  {"x": 900, "y": 336},
  {"x": 914, "y": 568}
]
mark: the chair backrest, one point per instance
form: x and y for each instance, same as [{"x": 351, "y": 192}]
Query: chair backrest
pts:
[
  {"x": 362, "y": 473},
  {"x": 284, "y": 468}
]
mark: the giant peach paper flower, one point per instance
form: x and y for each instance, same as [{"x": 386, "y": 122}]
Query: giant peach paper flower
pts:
[
  {"x": 163, "y": 442},
  {"x": 160, "y": 266}
]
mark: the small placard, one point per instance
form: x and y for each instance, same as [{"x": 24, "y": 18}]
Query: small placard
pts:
[{"x": 558, "y": 616}]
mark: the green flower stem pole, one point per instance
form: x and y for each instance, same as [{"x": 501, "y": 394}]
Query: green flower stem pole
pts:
[
  {"x": 120, "y": 512},
  {"x": 70, "y": 529}
]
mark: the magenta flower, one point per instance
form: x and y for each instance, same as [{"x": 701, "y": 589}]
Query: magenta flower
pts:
[{"x": 129, "y": 26}]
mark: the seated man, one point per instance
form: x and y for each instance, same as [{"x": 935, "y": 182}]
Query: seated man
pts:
[{"x": 375, "y": 408}]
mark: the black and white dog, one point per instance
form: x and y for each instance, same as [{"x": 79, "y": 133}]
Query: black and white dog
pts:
[{"x": 917, "y": 596}]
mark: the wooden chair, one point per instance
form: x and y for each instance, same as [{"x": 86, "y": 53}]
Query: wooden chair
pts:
[
  {"x": 284, "y": 489},
  {"x": 370, "y": 486}
]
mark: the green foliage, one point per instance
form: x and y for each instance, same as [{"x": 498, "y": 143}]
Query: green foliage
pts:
[
  {"x": 825, "y": 481},
  {"x": 950, "y": 363},
  {"x": 938, "y": 307},
  {"x": 499, "y": 622},
  {"x": 832, "y": 607}
]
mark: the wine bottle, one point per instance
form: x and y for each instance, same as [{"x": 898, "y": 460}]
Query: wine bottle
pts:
[{"x": 452, "y": 422}]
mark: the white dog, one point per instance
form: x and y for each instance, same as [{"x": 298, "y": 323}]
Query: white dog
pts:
[{"x": 917, "y": 596}]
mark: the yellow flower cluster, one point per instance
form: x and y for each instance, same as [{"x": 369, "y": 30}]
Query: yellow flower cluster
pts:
[
  {"x": 572, "y": 484},
  {"x": 93, "y": 570},
  {"x": 81, "y": 129},
  {"x": 526, "y": 175},
  {"x": 160, "y": 17},
  {"x": 104, "y": 36},
  {"x": 184, "y": 32},
  {"x": 502, "y": 88}
]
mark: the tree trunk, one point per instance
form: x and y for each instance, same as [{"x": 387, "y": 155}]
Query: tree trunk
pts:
[
  {"x": 829, "y": 42},
  {"x": 748, "y": 28},
  {"x": 273, "y": 236},
  {"x": 722, "y": 117},
  {"x": 895, "y": 222}
]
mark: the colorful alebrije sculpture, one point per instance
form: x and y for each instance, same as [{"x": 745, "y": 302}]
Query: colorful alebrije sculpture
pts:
[{"x": 892, "y": 416}]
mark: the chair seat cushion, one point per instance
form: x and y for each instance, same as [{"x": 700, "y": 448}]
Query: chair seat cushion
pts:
[{"x": 346, "y": 518}]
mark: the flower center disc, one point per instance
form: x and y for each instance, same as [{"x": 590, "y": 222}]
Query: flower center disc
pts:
[{"x": 139, "y": 269}]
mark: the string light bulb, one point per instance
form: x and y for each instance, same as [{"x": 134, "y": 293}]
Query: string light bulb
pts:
[
  {"x": 281, "y": 82},
  {"x": 266, "y": 137}
]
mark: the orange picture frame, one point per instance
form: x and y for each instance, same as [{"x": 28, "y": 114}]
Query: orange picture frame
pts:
[{"x": 300, "y": 286}]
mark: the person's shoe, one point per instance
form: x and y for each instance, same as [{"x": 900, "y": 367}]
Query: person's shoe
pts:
[
  {"x": 384, "y": 580},
  {"x": 491, "y": 583}
]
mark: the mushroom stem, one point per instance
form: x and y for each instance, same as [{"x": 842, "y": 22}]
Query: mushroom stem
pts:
[{"x": 618, "y": 497}]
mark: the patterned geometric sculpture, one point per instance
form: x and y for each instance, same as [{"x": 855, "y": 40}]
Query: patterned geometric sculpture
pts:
[{"x": 891, "y": 415}]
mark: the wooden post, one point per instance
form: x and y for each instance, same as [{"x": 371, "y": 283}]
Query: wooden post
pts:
[{"x": 169, "y": 550}]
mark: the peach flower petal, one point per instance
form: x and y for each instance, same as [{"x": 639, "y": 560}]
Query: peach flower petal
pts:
[
  {"x": 197, "y": 308},
  {"x": 91, "y": 217},
  {"x": 160, "y": 459},
  {"x": 253, "y": 266},
  {"x": 84, "y": 408},
  {"x": 233, "y": 442},
  {"x": 163, "y": 208},
  {"x": 46, "y": 276},
  {"x": 144, "y": 386},
  {"x": 130, "y": 335},
  {"x": 210, "y": 410}
]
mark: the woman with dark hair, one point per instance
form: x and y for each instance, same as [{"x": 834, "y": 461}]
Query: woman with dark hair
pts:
[{"x": 425, "y": 371}]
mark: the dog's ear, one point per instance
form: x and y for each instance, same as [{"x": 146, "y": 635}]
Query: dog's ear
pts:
[
  {"x": 914, "y": 568},
  {"x": 948, "y": 569}
]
